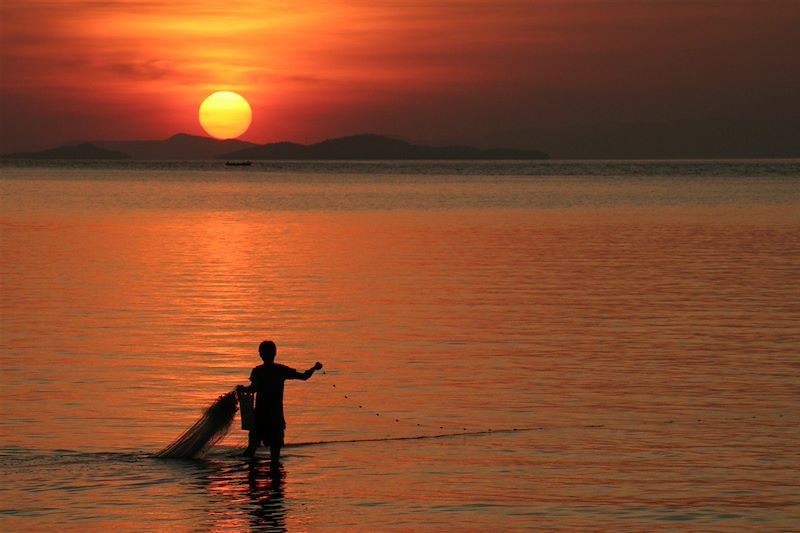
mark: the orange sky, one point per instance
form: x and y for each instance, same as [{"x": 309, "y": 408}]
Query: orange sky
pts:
[{"x": 423, "y": 69}]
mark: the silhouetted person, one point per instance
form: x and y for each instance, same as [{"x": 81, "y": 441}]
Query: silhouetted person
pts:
[{"x": 267, "y": 382}]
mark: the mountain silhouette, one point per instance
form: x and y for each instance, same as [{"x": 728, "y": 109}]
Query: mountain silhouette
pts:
[
  {"x": 71, "y": 151},
  {"x": 374, "y": 147},
  {"x": 181, "y": 146},
  {"x": 184, "y": 147}
]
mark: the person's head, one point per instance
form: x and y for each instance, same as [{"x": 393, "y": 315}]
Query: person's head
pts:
[{"x": 267, "y": 351}]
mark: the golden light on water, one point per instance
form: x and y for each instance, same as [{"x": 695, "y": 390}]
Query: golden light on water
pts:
[{"x": 225, "y": 115}]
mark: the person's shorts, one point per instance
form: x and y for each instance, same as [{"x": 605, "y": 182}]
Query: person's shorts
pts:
[{"x": 270, "y": 434}]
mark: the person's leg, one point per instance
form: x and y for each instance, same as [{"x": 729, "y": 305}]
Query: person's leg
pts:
[
  {"x": 275, "y": 444},
  {"x": 253, "y": 440},
  {"x": 275, "y": 452}
]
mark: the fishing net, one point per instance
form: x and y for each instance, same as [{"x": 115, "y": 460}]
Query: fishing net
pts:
[{"x": 207, "y": 431}]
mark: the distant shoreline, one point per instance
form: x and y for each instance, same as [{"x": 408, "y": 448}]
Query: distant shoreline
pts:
[
  {"x": 183, "y": 147},
  {"x": 555, "y": 167},
  {"x": 17, "y": 160}
]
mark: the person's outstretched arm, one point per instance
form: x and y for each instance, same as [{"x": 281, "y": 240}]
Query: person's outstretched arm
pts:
[{"x": 310, "y": 372}]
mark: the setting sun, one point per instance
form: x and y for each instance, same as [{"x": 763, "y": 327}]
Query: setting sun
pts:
[{"x": 225, "y": 115}]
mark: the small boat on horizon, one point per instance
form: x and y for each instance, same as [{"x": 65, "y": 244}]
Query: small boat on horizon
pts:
[{"x": 238, "y": 163}]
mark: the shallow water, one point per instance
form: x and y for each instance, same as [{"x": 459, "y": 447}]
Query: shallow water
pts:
[{"x": 637, "y": 324}]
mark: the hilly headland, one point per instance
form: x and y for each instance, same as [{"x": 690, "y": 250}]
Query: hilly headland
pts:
[{"x": 356, "y": 147}]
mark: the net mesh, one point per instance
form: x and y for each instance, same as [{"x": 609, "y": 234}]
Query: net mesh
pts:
[{"x": 207, "y": 431}]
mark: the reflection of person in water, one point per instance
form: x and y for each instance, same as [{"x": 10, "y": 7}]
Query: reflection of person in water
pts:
[
  {"x": 265, "y": 492},
  {"x": 267, "y": 382}
]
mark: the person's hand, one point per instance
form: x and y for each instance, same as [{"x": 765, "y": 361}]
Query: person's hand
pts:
[{"x": 317, "y": 365}]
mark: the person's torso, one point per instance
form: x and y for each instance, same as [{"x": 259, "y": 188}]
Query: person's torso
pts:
[{"x": 270, "y": 380}]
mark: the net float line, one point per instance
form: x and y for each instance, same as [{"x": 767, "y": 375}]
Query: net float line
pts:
[{"x": 457, "y": 430}]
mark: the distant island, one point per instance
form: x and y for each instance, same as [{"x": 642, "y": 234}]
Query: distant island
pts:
[
  {"x": 191, "y": 147},
  {"x": 76, "y": 151},
  {"x": 374, "y": 147}
]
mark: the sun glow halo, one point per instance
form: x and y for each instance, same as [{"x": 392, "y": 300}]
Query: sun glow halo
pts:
[{"x": 225, "y": 115}]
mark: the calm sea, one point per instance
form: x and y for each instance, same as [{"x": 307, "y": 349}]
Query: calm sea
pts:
[{"x": 582, "y": 345}]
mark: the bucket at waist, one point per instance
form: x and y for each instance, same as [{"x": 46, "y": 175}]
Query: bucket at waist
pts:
[{"x": 246, "y": 408}]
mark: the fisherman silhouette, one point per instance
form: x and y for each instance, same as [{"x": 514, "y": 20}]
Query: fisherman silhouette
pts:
[{"x": 267, "y": 382}]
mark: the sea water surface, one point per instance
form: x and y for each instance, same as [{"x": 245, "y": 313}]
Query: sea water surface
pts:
[{"x": 584, "y": 345}]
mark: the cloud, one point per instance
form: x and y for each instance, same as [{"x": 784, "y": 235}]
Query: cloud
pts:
[{"x": 143, "y": 70}]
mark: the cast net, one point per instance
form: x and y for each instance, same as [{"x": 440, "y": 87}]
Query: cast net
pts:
[{"x": 207, "y": 431}]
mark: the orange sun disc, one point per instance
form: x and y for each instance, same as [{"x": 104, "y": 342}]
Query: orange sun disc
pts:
[{"x": 225, "y": 115}]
